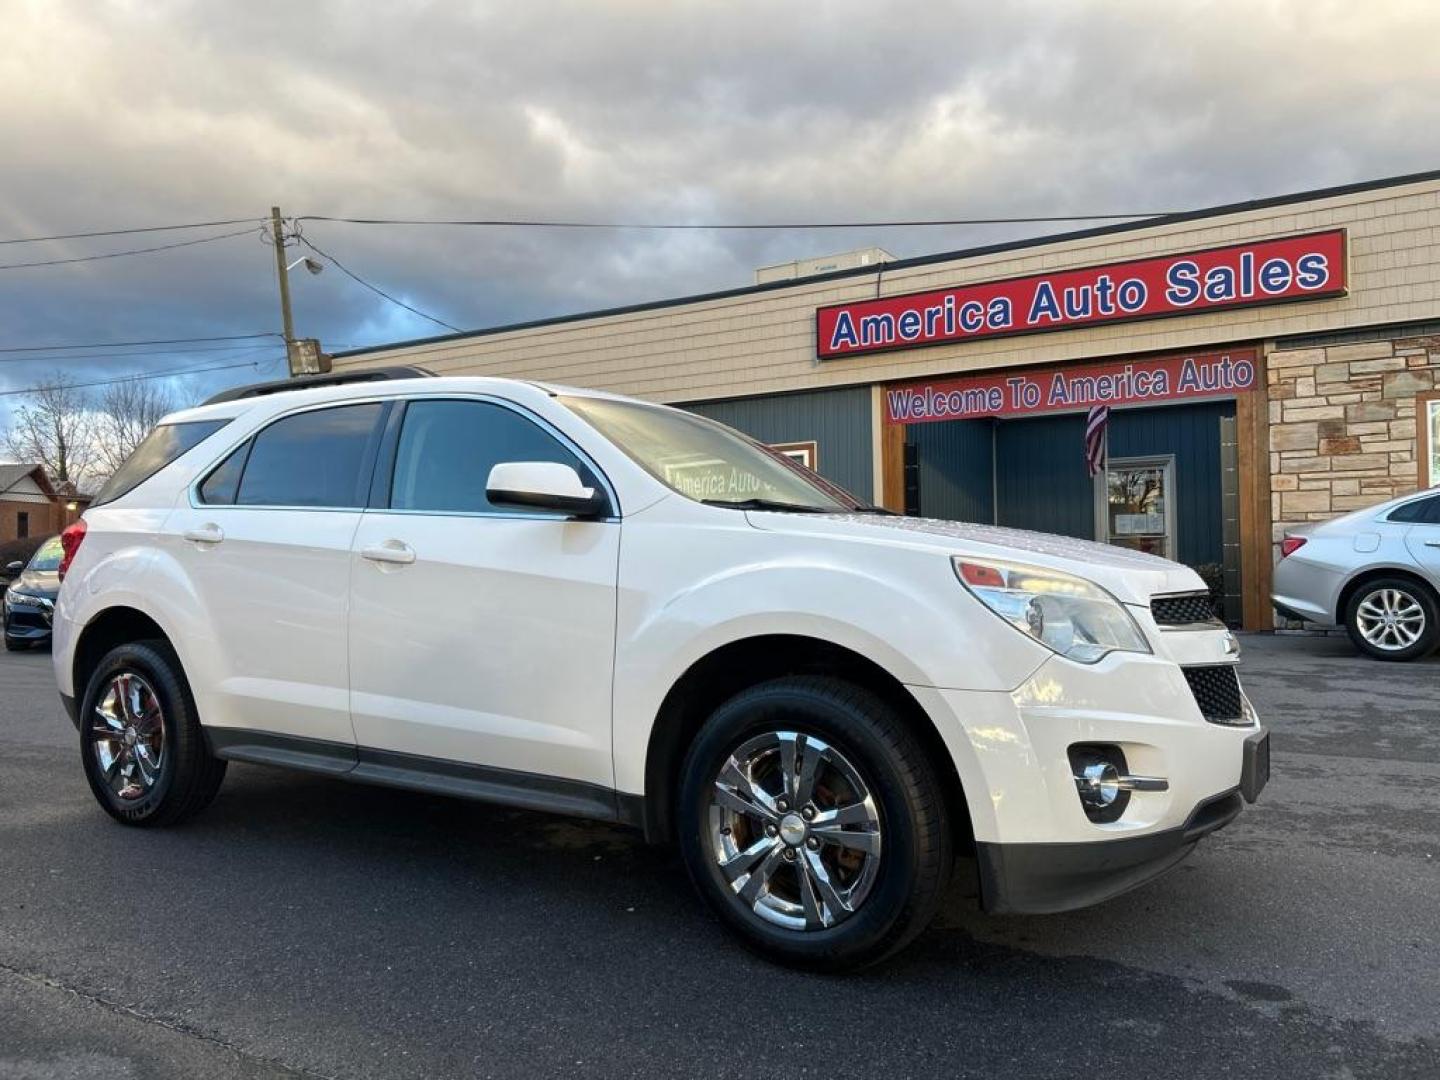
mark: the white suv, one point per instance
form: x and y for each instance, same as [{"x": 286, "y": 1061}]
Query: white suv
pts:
[{"x": 570, "y": 601}]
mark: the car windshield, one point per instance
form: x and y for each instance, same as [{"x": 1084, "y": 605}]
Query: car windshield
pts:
[
  {"x": 709, "y": 462},
  {"x": 48, "y": 556}
]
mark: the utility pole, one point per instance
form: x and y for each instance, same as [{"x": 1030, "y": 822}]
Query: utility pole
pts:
[
  {"x": 277, "y": 234},
  {"x": 303, "y": 354}
]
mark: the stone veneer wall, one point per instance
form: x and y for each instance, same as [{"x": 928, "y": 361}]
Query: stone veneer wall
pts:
[{"x": 1342, "y": 426}]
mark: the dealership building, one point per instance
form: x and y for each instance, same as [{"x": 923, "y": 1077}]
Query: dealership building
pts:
[{"x": 1264, "y": 364}]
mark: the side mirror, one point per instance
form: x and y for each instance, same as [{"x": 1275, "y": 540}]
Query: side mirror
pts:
[
  {"x": 14, "y": 569},
  {"x": 543, "y": 485}
]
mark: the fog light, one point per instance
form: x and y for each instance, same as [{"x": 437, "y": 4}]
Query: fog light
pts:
[
  {"x": 1099, "y": 784},
  {"x": 1104, "y": 783}
]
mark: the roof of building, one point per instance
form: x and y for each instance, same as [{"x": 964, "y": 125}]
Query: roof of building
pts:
[
  {"x": 921, "y": 260},
  {"x": 10, "y": 475}
]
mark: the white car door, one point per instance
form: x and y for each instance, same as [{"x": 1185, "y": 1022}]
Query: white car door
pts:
[
  {"x": 266, "y": 543},
  {"x": 480, "y": 635},
  {"x": 1423, "y": 537}
]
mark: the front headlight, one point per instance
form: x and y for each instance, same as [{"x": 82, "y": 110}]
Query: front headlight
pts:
[
  {"x": 1074, "y": 617},
  {"x": 25, "y": 598}
]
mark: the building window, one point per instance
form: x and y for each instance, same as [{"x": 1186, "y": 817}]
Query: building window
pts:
[
  {"x": 1427, "y": 409},
  {"x": 802, "y": 453},
  {"x": 1135, "y": 499},
  {"x": 22, "y": 525}
]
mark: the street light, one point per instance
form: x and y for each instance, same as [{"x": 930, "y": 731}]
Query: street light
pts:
[{"x": 313, "y": 265}]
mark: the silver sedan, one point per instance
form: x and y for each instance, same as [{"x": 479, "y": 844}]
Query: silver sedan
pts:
[{"x": 1375, "y": 571}]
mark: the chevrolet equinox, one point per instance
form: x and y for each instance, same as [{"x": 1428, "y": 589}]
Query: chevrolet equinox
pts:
[{"x": 571, "y": 601}]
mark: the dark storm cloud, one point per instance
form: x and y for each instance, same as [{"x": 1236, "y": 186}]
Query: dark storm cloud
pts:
[{"x": 141, "y": 113}]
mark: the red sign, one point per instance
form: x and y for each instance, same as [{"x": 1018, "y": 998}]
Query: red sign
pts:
[
  {"x": 1261, "y": 272},
  {"x": 1120, "y": 382}
]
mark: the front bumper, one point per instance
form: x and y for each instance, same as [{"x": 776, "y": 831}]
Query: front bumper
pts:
[
  {"x": 1037, "y": 849},
  {"x": 1041, "y": 879},
  {"x": 24, "y": 622}
]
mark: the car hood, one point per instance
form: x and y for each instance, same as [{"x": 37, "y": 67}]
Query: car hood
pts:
[
  {"x": 38, "y": 583},
  {"x": 1133, "y": 576}
]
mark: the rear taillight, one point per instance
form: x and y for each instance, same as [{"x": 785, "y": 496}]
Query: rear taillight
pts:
[
  {"x": 70, "y": 542},
  {"x": 1290, "y": 545}
]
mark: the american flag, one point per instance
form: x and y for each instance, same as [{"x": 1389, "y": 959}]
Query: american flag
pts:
[{"x": 1095, "y": 437}]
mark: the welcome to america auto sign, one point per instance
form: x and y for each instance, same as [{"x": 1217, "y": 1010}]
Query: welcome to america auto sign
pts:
[
  {"x": 1264, "y": 271},
  {"x": 1058, "y": 389}
]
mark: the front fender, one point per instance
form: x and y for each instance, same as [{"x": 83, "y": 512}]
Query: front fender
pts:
[{"x": 905, "y": 611}]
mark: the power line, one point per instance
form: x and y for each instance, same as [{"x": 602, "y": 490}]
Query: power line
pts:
[
  {"x": 153, "y": 375},
  {"x": 374, "y": 288},
  {"x": 185, "y": 351},
  {"x": 126, "y": 344},
  {"x": 131, "y": 251},
  {"x": 732, "y": 226},
  {"x": 131, "y": 232}
]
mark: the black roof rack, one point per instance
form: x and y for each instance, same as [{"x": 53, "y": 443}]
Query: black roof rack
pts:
[{"x": 307, "y": 382}]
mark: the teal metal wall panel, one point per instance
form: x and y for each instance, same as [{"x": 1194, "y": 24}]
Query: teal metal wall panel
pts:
[
  {"x": 1040, "y": 480},
  {"x": 956, "y": 463},
  {"x": 838, "y": 420},
  {"x": 1192, "y": 434},
  {"x": 1040, "y": 477}
]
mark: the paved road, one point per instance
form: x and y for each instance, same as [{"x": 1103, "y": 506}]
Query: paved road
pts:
[{"x": 306, "y": 926}]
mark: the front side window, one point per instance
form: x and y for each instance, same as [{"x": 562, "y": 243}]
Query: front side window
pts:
[
  {"x": 447, "y": 449},
  {"x": 311, "y": 459},
  {"x": 163, "y": 445},
  {"x": 709, "y": 462}
]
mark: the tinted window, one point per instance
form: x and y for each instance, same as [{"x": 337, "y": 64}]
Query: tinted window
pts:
[
  {"x": 447, "y": 449},
  {"x": 311, "y": 459},
  {"x": 222, "y": 485},
  {"x": 158, "y": 449},
  {"x": 1423, "y": 511}
]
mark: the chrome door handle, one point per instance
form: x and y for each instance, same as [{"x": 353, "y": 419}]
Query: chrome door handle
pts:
[
  {"x": 1432, "y": 543},
  {"x": 392, "y": 551},
  {"x": 209, "y": 533}
]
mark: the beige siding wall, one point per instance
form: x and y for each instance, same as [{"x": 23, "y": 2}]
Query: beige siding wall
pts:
[{"x": 764, "y": 343}]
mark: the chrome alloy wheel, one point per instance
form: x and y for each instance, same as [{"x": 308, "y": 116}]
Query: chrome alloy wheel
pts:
[
  {"x": 1390, "y": 619},
  {"x": 794, "y": 830},
  {"x": 128, "y": 734}
]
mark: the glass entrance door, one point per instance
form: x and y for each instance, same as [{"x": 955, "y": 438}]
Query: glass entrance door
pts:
[{"x": 1135, "y": 504}]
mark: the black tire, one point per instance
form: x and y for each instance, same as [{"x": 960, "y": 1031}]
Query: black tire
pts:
[
  {"x": 188, "y": 776},
  {"x": 1409, "y": 595},
  {"x": 915, "y": 857}
]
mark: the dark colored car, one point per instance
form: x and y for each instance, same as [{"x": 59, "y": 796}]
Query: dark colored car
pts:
[{"x": 29, "y": 603}]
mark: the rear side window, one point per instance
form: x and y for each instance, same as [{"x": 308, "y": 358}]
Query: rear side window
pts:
[
  {"x": 447, "y": 449},
  {"x": 222, "y": 486},
  {"x": 1421, "y": 512},
  {"x": 316, "y": 458},
  {"x": 162, "y": 446}
]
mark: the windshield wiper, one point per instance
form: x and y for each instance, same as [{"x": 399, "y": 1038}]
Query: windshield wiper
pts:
[{"x": 768, "y": 504}]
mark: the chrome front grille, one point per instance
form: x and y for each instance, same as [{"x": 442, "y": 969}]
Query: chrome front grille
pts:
[
  {"x": 1182, "y": 609},
  {"x": 1217, "y": 691}
]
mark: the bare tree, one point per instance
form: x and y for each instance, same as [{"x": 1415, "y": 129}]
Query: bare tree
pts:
[
  {"x": 55, "y": 427},
  {"x": 127, "y": 412}
]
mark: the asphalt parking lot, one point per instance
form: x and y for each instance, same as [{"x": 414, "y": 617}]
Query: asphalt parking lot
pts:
[{"x": 306, "y": 926}]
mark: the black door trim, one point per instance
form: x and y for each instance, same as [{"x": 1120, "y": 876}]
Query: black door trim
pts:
[
  {"x": 435, "y": 776},
  {"x": 286, "y": 751}
]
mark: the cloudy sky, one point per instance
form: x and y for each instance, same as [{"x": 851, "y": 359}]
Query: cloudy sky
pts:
[{"x": 154, "y": 112}]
